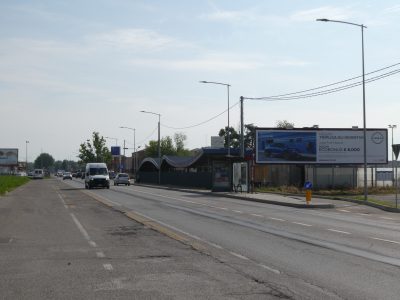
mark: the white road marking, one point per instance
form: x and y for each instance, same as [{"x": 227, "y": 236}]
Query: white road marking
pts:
[
  {"x": 339, "y": 231},
  {"x": 256, "y": 215},
  {"x": 343, "y": 210},
  {"x": 239, "y": 255},
  {"x": 386, "y": 218},
  {"x": 62, "y": 200},
  {"x": 100, "y": 254},
  {"x": 223, "y": 208},
  {"x": 270, "y": 269},
  {"x": 302, "y": 224},
  {"x": 363, "y": 214},
  {"x": 80, "y": 227},
  {"x": 93, "y": 244},
  {"x": 389, "y": 241},
  {"x": 276, "y": 219},
  {"x": 237, "y": 211},
  {"x": 108, "y": 267}
]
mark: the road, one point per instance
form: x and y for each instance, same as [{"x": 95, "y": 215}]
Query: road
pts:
[{"x": 351, "y": 252}]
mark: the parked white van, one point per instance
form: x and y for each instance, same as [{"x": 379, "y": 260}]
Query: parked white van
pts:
[
  {"x": 96, "y": 175},
  {"x": 38, "y": 174}
]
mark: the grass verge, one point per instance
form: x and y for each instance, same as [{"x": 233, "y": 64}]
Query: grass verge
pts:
[{"x": 8, "y": 183}]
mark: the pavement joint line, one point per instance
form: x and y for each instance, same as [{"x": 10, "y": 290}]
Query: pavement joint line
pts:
[
  {"x": 384, "y": 240},
  {"x": 338, "y": 231}
]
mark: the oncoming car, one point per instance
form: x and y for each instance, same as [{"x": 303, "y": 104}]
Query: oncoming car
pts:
[
  {"x": 96, "y": 175},
  {"x": 67, "y": 175},
  {"x": 122, "y": 178}
]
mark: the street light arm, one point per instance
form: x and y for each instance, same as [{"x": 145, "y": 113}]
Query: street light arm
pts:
[
  {"x": 214, "y": 82},
  {"x": 343, "y": 22}
]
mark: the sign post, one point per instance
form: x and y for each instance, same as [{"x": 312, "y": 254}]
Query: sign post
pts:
[
  {"x": 396, "y": 151},
  {"x": 308, "y": 187}
]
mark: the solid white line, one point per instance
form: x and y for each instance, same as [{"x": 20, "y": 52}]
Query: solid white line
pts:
[
  {"x": 62, "y": 200},
  {"x": 389, "y": 241},
  {"x": 270, "y": 269},
  {"x": 80, "y": 227},
  {"x": 276, "y": 219},
  {"x": 339, "y": 231},
  {"x": 255, "y": 215},
  {"x": 386, "y": 218},
  {"x": 302, "y": 224},
  {"x": 239, "y": 255},
  {"x": 108, "y": 267}
]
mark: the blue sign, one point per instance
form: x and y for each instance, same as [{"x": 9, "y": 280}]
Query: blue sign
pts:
[
  {"x": 115, "y": 150},
  {"x": 308, "y": 185}
]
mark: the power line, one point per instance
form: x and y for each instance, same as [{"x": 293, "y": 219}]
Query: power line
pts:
[
  {"x": 201, "y": 123},
  {"x": 145, "y": 139},
  {"x": 327, "y": 91}
]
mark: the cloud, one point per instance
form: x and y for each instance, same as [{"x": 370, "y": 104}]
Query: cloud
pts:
[
  {"x": 230, "y": 16},
  {"x": 211, "y": 63},
  {"x": 393, "y": 9},
  {"x": 137, "y": 39},
  {"x": 337, "y": 13}
]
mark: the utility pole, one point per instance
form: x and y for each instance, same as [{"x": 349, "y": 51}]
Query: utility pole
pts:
[{"x": 241, "y": 128}]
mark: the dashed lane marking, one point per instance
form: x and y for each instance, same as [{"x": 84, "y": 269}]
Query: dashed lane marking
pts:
[
  {"x": 338, "y": 231},
  {"x": 100, "y": 254},
  {"x": 384, "y": 240},
  {"x": 302, "y": 224},
  {"x": 257, "y": 215},
  {"x": 108, "y": 267},
  {"x": 277, "y": 219},
  {"x": 343, "y": 210}
]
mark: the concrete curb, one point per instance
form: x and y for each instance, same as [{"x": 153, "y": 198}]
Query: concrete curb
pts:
[{"x": 238, "y": 197}]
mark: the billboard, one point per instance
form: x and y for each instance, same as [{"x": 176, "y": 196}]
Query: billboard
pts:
[
  {"x": 115, "y": 150},
  {"x": 8, "y": 156},
  {"x": 320, "y": 146}
]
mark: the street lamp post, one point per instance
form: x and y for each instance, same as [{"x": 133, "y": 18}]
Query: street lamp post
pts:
[
  {"x": 134, "y": 145},
  {"x": 228, "y": 131},
  {"x": 26, "y": 156},
  {"x": 159, "y": 145},
  {"x": 362, "y": 26}
]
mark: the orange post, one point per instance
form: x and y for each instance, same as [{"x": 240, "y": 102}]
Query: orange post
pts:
[{"x": 308, "y": 196}]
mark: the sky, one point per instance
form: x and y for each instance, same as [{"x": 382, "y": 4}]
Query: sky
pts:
[{"x": 69, "y": 68}]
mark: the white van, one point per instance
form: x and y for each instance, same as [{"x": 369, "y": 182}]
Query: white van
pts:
[
  {"x": 38, "y": 174},
  {"x": 96, "y": 175}
]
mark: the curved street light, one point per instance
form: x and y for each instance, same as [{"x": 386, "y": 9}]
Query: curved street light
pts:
[
  {"x": 228, "y": 131},
  {"x": 362, "y": 26}
]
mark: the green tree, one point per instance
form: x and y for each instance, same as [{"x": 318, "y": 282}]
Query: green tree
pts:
[
  {"x": 94, "y": 150},
  {"x": 284, "y": 124},
  {"x": 167, "y": 146},
  {"x": 179, "y": 139},
  {"x": 249, "y": 136},
  {"x": 43, "y": 161},
  {"x": 234, "y": 136}
]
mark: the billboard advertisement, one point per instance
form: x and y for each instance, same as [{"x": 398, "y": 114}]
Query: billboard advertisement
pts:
[
  {"x": 8, "y": 157},
  {"x": 320, "y": 146},
  {"x": 115, "y": 150}
]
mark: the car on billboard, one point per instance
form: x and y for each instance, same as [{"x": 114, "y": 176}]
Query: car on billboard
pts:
[{"x": 281, "y": 150}]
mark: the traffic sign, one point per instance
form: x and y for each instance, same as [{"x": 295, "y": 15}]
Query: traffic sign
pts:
[{"x": 396, "y": 150}]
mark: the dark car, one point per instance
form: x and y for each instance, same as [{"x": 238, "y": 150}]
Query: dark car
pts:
[
  {"x": 281, "y": 150},
  {"x": 122, "y": 178}
]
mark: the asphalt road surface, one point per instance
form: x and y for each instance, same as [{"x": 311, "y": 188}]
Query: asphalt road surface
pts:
[{"x": 56, "y": 241}]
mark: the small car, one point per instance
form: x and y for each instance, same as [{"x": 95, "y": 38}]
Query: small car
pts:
[
  {"x": 122, "y": 178},
  {"x": 67, "y": 175}
]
